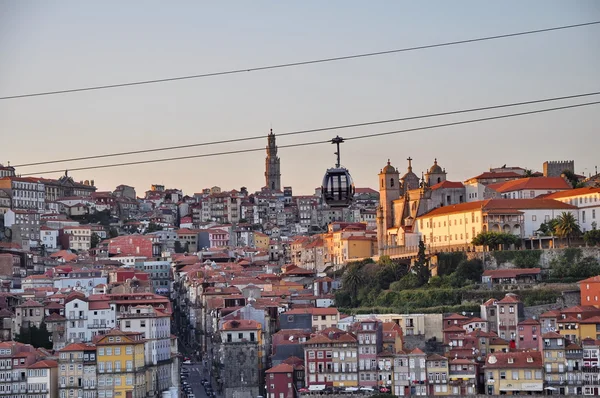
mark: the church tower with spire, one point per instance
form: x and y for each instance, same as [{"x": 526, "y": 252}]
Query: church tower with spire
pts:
[{"x": 272, "y": 171}]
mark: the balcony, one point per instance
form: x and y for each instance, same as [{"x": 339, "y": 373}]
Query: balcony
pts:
[
  {"x": 98, "y": 326},
  {"x": 590, "y": 369},
  {"x": 78, "y": 317}
]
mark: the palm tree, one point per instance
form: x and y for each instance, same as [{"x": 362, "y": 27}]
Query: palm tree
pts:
[
  {"x": 353, "y": 280},
  {"x": 567, "y": 226}
]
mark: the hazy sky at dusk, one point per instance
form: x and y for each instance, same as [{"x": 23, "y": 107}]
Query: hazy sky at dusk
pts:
[{"x": 67, "y": 44}]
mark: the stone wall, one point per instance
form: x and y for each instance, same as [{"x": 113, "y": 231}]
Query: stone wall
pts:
[{"x": 546, "y": 257}]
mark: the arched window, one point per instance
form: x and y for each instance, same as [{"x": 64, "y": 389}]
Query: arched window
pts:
[
  {"x": 439, "y": 180},
  {"x": 391, "y": 182}
]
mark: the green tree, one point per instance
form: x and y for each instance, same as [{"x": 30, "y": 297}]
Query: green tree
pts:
[
  {"x": 569, "y": 175},
  {"x": 153, "y": 227},
  {"x": 421, "y": 265},
  {"x": 567, "y": 227},
  {"x": 592, "y": 237},
  {"x": 495, "y": 240},
  {"x": 548, "y": 228},
  {"x": 353, "y": 279},
  {"x": 467, "y": 270},
  {"x": 94, "y": 240},
  {"x": 37, "y": 337},
  {"x": 112, "y": 232}
]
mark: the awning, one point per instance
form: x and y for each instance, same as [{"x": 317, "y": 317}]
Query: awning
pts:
[{"x": 317, "y": 387}]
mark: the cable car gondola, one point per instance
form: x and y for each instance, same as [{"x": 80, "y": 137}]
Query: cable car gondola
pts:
[{"x": 337, "y": 188}]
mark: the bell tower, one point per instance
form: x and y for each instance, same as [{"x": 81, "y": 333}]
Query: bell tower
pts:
[
  {"x": 272, "y": 171},
  {"x": 389, "y": 190}
]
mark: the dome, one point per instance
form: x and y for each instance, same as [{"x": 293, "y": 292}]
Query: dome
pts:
[
  {"x": 435, "y": 168},
  {"x": 388, "y": 169}
]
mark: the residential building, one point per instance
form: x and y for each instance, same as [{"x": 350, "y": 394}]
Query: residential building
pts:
[
  {"x": 587, "y": 201},
  {"x": 148, "y": 246},
  {"x": 530, "y": 187},
  {"x": 28, "y": 314},
  {"x": 553, "y": 346},
  {"x": 49, "y": 238},
  {"x": 77, "y": 371},
  {"x": 155, "y": 327},
  {"x": 26, "y": 193},
  {"x": 120, "y": 365},
  {"x": 590, "y": 291},
  {"x": 280, "y": 381},
  {"x": 504, "y": 315},
  {"x": 319, "y": 318},
  {"x": 76, "y": 238},
  {"x": 5, "y": 202},
  {"x": 42, "y": 379},
  {"x": 437, "y": 374},
  {"x": 15, "y": 358},
  {"x": 159, "y": 274},
  {"x": 529, "y": 334},
  {"x": 514, "y": 373},
  {"x": 369, "y": 334},
  {"x": 417, "y": 369},
  {"x": 401, "y": 377},
  {"x": 25, "y": 227},
  {"x": 591, "y": 364},
  {"x": 574, "y": 367},
  {"x": 463, "y": 377}
]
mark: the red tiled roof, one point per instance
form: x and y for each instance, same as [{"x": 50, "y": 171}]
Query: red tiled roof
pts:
[
  {"x": 313, "y": 311},
  {"x": 500, "y": 174},
  {"x": 529, "y": 322},
  {"x": 520, "y": 360},
  {"x": 500, "y": 204},
  {"x": 509, "y": 298},
  {"x": 573, "y": 192},
  {"x": 511, "y": 273},
  {"x": 78, "y": 347},
  {"x": 47, "y": 363},
  {"x": 241, "y": 324},
  {"x": 281, "y": 368},
  {"x": 593, "y": 279},
  {"x": 531, "y": 183},
  {"x": 447, "y": 184}
]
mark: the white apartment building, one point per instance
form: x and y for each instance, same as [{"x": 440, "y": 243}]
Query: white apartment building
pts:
[
  {"x": 49, "y": 238},
  {"x": 42, "y": 379},
  {"x": 154, "y": 325},
  {"x": 86, "y": 319},
  {"x": 76, "y": 238},
  {"x": 587, "y": 201},
  {"x": 26, "y": 193}
]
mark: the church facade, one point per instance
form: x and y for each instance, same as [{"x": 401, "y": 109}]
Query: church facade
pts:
[{"x": 403, "y": 199}]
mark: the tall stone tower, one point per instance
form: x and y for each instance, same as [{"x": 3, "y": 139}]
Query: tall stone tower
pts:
[
  {"x": 389, "y": 190},
  {"x": 272, "y": 172}
]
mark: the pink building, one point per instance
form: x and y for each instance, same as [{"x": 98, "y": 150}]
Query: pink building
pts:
[
  {"x": 218, "y": 238},
  {"x": 528, "y": 334}
]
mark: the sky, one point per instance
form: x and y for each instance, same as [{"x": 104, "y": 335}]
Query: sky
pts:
[{"x": 57, "y": 45}]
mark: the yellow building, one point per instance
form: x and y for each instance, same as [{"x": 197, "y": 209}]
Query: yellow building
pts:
[
  {"x": 121, "y": 371},
  {"x": 554, "y": 360},
  {"x": 357, "y": 247},
  {"x": 261, "y": 241},
  {"x": 437, "y": 374},
  {"x": 590, "y": 328},
  {"x": 497, "y": 344},
  {"x": 514, "y": 373},
  {"x": 578, "y": 323}
]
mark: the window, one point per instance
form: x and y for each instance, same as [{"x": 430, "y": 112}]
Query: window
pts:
[
  {"x": 534, "y": 218},
  {"x": 503, "y": 375}
]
